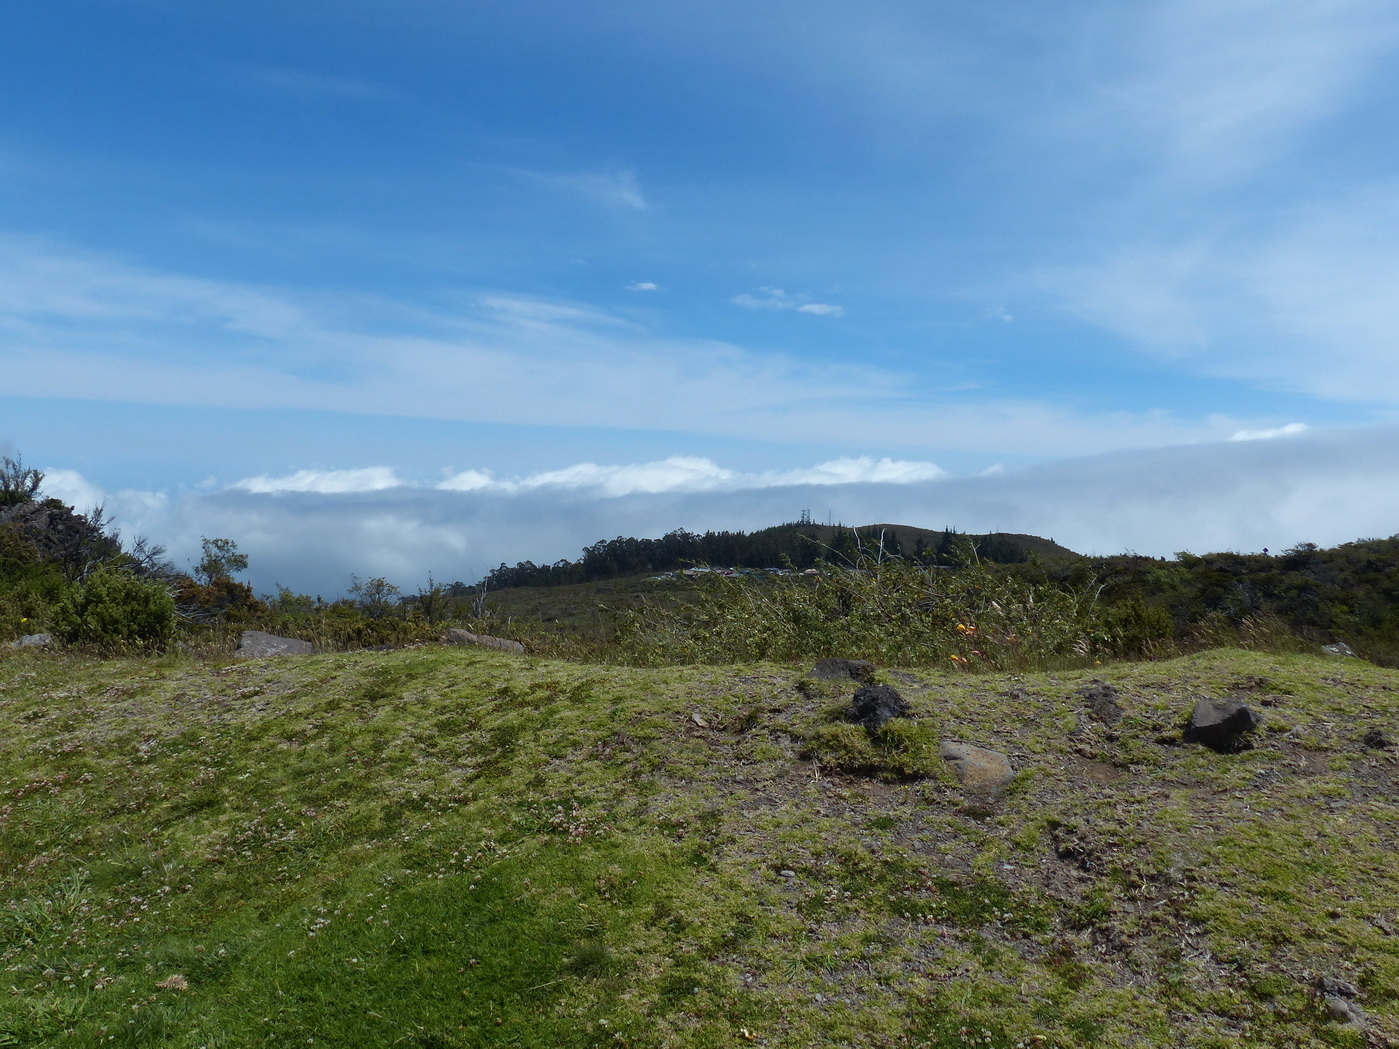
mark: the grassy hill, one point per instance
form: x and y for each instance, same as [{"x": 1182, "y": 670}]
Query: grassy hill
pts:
[{"x": 446, "y": 847}]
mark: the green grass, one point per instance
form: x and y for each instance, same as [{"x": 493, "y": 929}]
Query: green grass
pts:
[{"x": 443, "y": 847}]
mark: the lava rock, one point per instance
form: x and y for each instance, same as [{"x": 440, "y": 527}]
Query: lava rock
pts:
[
  {"x": 861, "y": 670},
  {"x": 1378, "y": 739},
  {"x": 1220, "y": 724},
  {"x": 1329, "y": 985},
  {"x": 978, "y": 769},
  {"x": 876, "y": 705},
  {"x": 255, "y": 644},
  {"x": 1102, "y": 702}
]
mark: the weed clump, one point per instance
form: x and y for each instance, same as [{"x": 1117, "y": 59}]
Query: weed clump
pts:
[{"x": 901, "y": 749}]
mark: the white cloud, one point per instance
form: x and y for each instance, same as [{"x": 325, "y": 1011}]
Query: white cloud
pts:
[
  {"x": 777, "y": 299},
  {"x": 642, "y": 285},
  {"x": 72, "y": 488},
  {"x": 694, "y": 474},
  {"x": 326, "y": 482},
  {"x": 1289, "y": 430}
]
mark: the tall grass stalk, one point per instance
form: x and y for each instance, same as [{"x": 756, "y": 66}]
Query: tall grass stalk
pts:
[{"x": 883, "y": 608}]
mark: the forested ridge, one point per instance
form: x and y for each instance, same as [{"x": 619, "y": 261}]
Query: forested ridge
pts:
[{"x": 799, "y": 545}]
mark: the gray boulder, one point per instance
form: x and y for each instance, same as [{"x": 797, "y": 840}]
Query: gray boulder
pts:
[
  {"x": 33, "y": 641},
  {"x": 876, "y": 705},
  {"x": 1220, "y": 724},
  {"x": 255, "y": 644},
  {"x": 978, "y": 770},
  {"x": 861, "y": 670},
  {"x": 457, "y": 636}
]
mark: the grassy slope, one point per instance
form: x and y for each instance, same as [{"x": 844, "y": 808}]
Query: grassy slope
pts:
[
  {"x": 443, "y": 847},
  {"x": 587, "y": 608}
]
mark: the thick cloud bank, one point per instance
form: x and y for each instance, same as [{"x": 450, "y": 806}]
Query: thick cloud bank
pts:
[{"x": 311, "y": 532}]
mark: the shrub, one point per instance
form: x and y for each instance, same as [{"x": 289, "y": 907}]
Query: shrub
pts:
[{"x": 115, "y": 609}]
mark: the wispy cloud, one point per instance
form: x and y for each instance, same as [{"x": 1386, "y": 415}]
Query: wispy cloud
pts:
[
  {"x": 1304, "y": 303},
  {"x": 777, "y": 299},
  {"x": 1217, "y": 88},
  {"x": 642, "y": 285},
  {"x": 78, "y": 325},
  {"x": 617, "y": 189},
  {"x": 1289, "y": 430}
]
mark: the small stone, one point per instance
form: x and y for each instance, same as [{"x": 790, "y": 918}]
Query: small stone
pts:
[
  {"x": 787, "y": 873},
  {"x": 699, "y": 721},
  {"x": 977, "y": 768},
  {"x": 1343, "y": 1010},
  {"x": 1340, "y": 648}
]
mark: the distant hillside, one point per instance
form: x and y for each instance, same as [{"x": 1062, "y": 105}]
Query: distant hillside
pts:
[{"x": 798, "y": 544}]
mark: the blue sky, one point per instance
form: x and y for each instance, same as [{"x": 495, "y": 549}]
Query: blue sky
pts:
[{"x": 471, "y": 283}]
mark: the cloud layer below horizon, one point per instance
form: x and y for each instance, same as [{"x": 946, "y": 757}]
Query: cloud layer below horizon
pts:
[{"x": 312, "y": 530}]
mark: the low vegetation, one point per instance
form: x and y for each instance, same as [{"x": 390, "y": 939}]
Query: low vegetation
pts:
[{"x": 446, "y": 847}]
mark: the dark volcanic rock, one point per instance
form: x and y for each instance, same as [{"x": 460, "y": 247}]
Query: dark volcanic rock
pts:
[
  {"x": 1220, "y": 724},
  {"x": 255, "y": 644},
  {"x": 874, "y": 705},
  {"x": 1378, "y": 739},
  {"x": 1331, "y": 985},
  {"x": 1102, "y": 702},
  {"x": 843, "y": 670}
]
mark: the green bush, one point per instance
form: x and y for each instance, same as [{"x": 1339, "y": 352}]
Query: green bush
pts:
[
  {"x": 30, "y": 589},
  {"x": 115, "y": 609}
]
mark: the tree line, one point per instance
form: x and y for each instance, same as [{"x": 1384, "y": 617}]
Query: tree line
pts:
[{"x": 796, "y": 545}]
